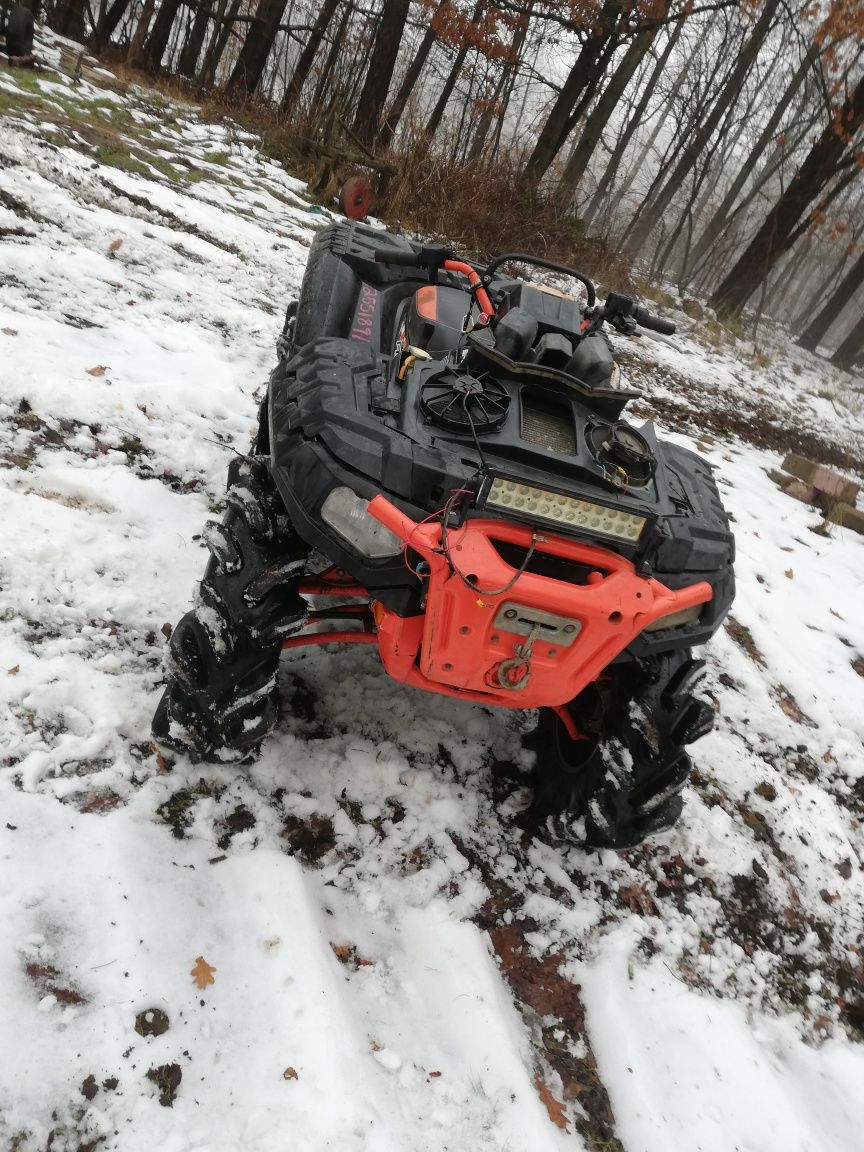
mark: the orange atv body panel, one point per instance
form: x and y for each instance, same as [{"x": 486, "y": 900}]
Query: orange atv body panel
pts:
[{"x": 493, "y": 646}]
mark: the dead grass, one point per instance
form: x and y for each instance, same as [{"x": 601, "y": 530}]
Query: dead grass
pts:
[{"x": 478, "y": 206}]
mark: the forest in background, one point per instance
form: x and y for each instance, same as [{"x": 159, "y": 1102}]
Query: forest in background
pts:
[{"x": 715, "y": 147}]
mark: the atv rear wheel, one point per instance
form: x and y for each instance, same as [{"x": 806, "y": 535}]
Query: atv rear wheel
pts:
[
  {"x": 221, "y": 697},
  {"x": 621, "y": 784}
]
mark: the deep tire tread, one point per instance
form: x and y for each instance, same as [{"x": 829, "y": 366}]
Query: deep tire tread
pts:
[
  {"x": 221, "y": 697},
  {"x": 624, "y": 785}
]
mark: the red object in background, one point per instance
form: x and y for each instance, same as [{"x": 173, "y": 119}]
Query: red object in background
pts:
[{"x": 357, "y": 198}]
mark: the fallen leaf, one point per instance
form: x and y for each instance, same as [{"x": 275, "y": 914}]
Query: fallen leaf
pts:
[
  {"x": 115, "y": 246},
  {"x": 555, "y": 1109},
  {"x": 789, "y": 574},
  {"x": 343, "y": 951},
  {"x": 637, "y": 898},
  {"x": 202, "y": 973},
  {"x": 837, "y": 614},
  {"x": 13, "y": 671},
  {"x": 786, "y": 548},
  {"x": 290, "y": 1074},
  {"x": 99, "y": 370},
  {"x": 10, "y": 331},
  {"x": 434, "y": 1075},
  {"x": 160, "y": 759}
]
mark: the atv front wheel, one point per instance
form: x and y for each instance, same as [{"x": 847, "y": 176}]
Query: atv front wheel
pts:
[
  {"x": 621, "y": 784},
  {"x": 221, "y": 697}
]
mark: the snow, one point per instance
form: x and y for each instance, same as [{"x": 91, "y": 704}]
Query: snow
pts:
[{"x": 347, "y": 886}]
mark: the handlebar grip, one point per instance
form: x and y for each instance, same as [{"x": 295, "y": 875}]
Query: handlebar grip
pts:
[
  {"x": 407, "y": 257},
  {"x": 653, "y": 323}
]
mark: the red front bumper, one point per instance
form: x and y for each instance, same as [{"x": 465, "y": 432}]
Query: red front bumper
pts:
[{"x": 495, "y": 646}]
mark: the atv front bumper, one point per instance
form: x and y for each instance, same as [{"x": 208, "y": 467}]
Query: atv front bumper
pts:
[{"x": 494, "y": 634}]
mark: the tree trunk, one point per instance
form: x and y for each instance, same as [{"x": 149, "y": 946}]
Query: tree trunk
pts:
[
  {"x": 718, "y": 220},
  {"x": 307, "y": 57},
  {"x": 157, "y": 41},
  {"x": 599, "y": 117},
  {"x": 773, "y": 238},
  {"x": 403, "y": 95},
  {"x": 852, "y": 347},
  {"x": 325, "y": 79},
  {"x": 135, "y": 55},
  {"x": 559, "y": 124},
  {"x": 812, "y": 335},
  {"x": 221, "y": 31},
  {"x": 109, "y": 18},
  {"x": 391, "y": 32},
  {"x": 608, "y": 177},
  {"x": 450, "y": 83},
  {"x": 498, "y": 103},
  {"x": 700, "y": 137},
  {"x": 68, "y": 18},
  {"x": 191, "y": 51},
  {"x": 256, "y": 47}
]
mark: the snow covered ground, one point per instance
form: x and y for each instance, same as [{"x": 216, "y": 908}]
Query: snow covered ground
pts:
[{"x": 401, "y": 961}]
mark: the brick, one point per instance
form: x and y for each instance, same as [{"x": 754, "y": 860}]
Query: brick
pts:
[
  {"x": 806, "y": 493},
  {"x": 837, "y": 487},
  {"x": 847, "y": 517},
  {"x": 801, "y": 467}
]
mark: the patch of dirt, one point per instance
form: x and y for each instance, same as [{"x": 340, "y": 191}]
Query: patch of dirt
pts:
[
  {"x": 177, "y": 809},
  {"x": 167, "y": 1078},
  {"x": 151, "y": 1022},
  {"x": 310, "y": 839},
  {"x": 240, "y": 820},
  {"x": 48, "y": 981},
  {"x": 743, "y": 637},
  {"x": 757, "y": 423},
  {"x": 558, "y": 1013}
]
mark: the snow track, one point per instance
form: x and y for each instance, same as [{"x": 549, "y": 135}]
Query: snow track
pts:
[{"x": 397, "y": 951}]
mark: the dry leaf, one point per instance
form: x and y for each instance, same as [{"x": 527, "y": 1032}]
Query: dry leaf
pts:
[
  {"x": 99, "y": 370},
  {"x": 789, "y": 574},
  {"x": 837, "y": 614},
  {"x": 433, "y": 1075},
  {"x": 13, "y": 671},
  {"x": 202, "y": 973},
  {"x": 290, "y": 1074},
  {"x": 786, "y": 548},
  {"x": 343, "y": 951},
  {"x": 160, "y": 759},
  {"x": 556, "y": 1110},
  {"x": 115, "y": 246},
  {"x": 637, "y": 898},
  {"x": 10, "y": 331}
]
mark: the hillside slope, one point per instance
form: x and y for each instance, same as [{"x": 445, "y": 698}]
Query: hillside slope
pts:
[{"x": 402, "y": 961}]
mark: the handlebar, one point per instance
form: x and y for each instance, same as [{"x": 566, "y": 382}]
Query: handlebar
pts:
[
  {"x": 564, "y": 269},
  {"x": 653, "y": 323}
]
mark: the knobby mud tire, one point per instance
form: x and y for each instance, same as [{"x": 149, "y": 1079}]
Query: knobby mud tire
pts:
[
  {"x": 221, "y": 696},
  {"x": 621, "y": 785}
]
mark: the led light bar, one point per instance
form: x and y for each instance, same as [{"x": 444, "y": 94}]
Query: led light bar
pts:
[{"x": 567, "y": 511}]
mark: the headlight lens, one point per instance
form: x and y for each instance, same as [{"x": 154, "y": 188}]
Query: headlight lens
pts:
[
  {"x": 522, "y": 499},
  {"x": 347, "y": 513}
]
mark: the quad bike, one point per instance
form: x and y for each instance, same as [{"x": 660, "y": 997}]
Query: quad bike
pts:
[{"x": 441, "y": 459}]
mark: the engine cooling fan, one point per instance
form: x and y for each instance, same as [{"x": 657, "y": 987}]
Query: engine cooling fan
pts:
[{"x": 461, "y": 403}]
